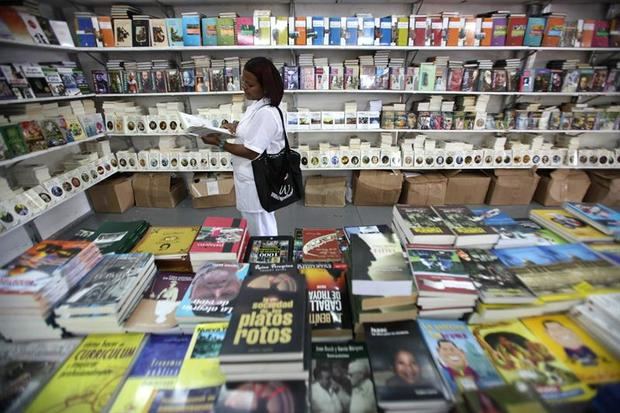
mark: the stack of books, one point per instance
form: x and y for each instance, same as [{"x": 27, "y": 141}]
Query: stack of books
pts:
[
  {"x": 35, "y": 282},
  {"x": 420, "y": 225},
  {"x": 567, "y": 226},
  {"x": 170, "y": 246},
  {"x": 599, "y": 316},
  {"x": 219, "y": 239},
  {"x": 108, "y": 295},
  {"x": 212, "y": 294},
  {"x": 444, "y": 287},
  {"x": 381, "y": 284},
  {"x": 119, "y": 237},
  {"x": 469, "y": 232},
  {"x": 268, "y": 336},
  {"x": 601, "y": 217}
]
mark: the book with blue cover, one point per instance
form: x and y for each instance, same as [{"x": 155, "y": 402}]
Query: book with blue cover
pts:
[
  {"x": 458, "y": 356},
  {"x": 191, "y": 30},
  {"x": 367, "y": 36},
  {"x": 318, "y": 30},
  {"x": 534, "y": 31},
  {"x": 601, "y": 217},
  {"x": 335, "y": 31},
  {"x": 492, "y": 216},
  {"x": 209, "y": 31},
  {"x": 85, "y": 31},
  {"x": 351, "y": 31},
  {"x": 174, "y": 26},
  {"x": 385, "y": 31},
  {"x": 161, "y": 356}
]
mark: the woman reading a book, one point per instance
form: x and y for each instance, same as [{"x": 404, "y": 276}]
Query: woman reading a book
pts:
[{"x": 260, "y": 129}]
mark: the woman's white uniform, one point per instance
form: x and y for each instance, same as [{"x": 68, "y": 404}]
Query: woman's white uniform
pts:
[{"x": 259, "y": 129}]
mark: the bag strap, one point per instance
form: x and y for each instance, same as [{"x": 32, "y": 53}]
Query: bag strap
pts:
[{"x": 286, "y": 145}]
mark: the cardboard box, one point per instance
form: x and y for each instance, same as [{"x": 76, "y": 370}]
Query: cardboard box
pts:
[
  {"x": 325, "y": 191},
  {"x": 469, "y": 187},
  {"x": 604, "y": 187},
  {"x": 112, "y": 195},
  {"x": 561, "y": 185},
  {"x": 210, "y": 190},
  {"x": 158, "y": 190},
  {"x": 424, "y": 189},
  {"x": 512, "y": 187},
  {"x": 376, "y": 187}
]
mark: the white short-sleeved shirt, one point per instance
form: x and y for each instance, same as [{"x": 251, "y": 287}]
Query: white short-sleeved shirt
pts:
[{"x": 259, "y": 129}]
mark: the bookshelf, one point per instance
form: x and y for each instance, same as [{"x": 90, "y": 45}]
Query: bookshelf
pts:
[
  {"x": 364, "y": 92},
  {"x": 31, "y": 155},
  {"x": 44, "y": 100}
]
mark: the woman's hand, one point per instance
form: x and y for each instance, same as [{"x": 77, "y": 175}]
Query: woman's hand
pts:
[
  {"x": 211, "y": 139},
  {"x": 230, "y": 127}
]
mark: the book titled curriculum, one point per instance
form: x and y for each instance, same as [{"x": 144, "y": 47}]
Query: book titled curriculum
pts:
[{"x": 269, "y": 319}]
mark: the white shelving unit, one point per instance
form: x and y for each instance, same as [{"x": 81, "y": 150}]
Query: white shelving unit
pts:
[{"x": 44, "y": 100}]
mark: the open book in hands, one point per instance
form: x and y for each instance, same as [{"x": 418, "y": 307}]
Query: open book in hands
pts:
[{"x": 200, "y": 126}]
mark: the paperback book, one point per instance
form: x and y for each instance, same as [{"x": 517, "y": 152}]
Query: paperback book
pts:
[
  {"x": 421, "y": 225},
  {"x": 601, "y": 217},
  {"x": 269, "y": 250},
  {"x": 467, "y": 228},
  {"x": 321, "y": 245},
  {"x": 435, "y": 262},
  {"x": 201, "y": 366}
]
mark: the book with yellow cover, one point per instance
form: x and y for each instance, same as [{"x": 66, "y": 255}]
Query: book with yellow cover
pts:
[
  {"x": 168, "y": 242},
  {"x": 157, "y": 367},
  {"x": 89, "y": 378},
  {"x": 519, "y": 356},
  {"x": 575, "y": 348},
  {"x": 201, "y": 366},
  {"x": 567, "y": 225}
]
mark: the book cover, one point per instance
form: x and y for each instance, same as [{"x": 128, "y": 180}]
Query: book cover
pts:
[
  {"x": 519, "y": 355},
  {"x": 321, "y": 245},
  {"x": 262, "y": 36},
  {"x": 157, "y": 366},
  {"x": 225, "y": 30},
  {"x": 220, "y": 235},
  {"x": 201, "y": 365},
  {"x": 352, "y": 31},
  {"x": 52, "y": 133},
  {"x": 174, "y": 26},
  {"x": 462, "y": 221},
  {"x": 213, "y": 292},
  {"x": 85, "y": 31},
  {"x": 336, "y": 31},
  {"x": 33, "y": 136},
  {"x": 179, "y": 399},
  {"x": 427, "y": 77},
  {"x": 284, "y": 396},
  {"x": 494, "y": 281},
  {"x": 570, "y": 270},
  {"x": 435, "y": 262},
  {"x": 159, "y": 34},
  {"x": 329, "y": 299},
  {"x": 385, "y": 31},
  {"x": 514, "y": 397},
  {"x": 534, "y": 31},
  {"x": 33, "y": 27},
  {"x": 36, "y": 79},
  {"x": 141, "y": 36},
  {"x": 280, "y": 31},
  {"x": 209, "y": 31},
  {"x": 347, "y": 369},
  {"x": 610, "y": 250},
  {"x": 100, "y": 81},
  {"x": 298, "y": 30},
  {"x": 291, "y": 77},
  {"x": 517, "y": 24},
  {"x": 28, "y": 367},
  {"x": 603, "y": 218},
  {"x": 435, "y": 31},
  {"x": 106, "y": 31},
  {"x": 62, "y": 33},
  {"x": 567, "y": 225},
  {"x": 90, "y": 376},
  {"x": 574, "y": 347},
  {"x": 402, "y": 368},
  {"x": 14, "y": 139},
  {"x": 317, "y": 29},
  {"x": 167, "y": 241},
  {"x": 429, "y": 285},
  {"x": 553, "y": 31},
  {"x": 367, "y": 31},
  {"x": 455, "y": 26},
  {"x": 492, "y": 216},
  {"x": 122, "y": 32},
  {"x": 268, "y": 321},
  {"x": 191, "y": 30},
  {"x": 458, "y": 356},
  {"x": 499, "y": 31},
  {"x": 587, "y": 33},
  {"x": 600, "y": 37},
  {"x": 119, "y": 237},
  {"x": 46, "y": 27},
  {"x": 156, "y": 310},
  {"x": 245, "y": 31},
  {"x": 269, "y": 250},
  {"x": 16, "y": 25}
]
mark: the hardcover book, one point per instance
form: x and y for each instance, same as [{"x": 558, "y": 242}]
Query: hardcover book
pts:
[
  {"x": 317, "y": 29},
  {"x": 400, "y": 343},
  {"x": 212, "y": 294},
  {"x": 269, "y": 320},
  {"x": 321, "y": 245},
  {"x": 91, "y": 375},
  {"x": 352, "y": 31},
  {"x": 156, "y": 367},
  {"x": 106, "y": 31},
  {"x": 336, "y": 30},
  {"x": 330, "y": 316},
  {"x": 458, "y": 356},
  {"x": 269, "y": 250},
  {"x": 519, "y": 355},
  {"x": 575, "y": 348}
]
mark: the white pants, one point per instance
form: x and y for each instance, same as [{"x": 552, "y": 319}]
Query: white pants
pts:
[{"x": 261, "y": 224}]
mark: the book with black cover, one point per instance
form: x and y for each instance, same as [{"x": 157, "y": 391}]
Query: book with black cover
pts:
[
  {"x": 330, "y": 316},
  {"x": 404, "y": 374},
  {"x": 269, "y": 250},
  {"x": 421, "y": 225},
  {"x": 468, "y": 229},
  {"x": 269, "y": 318}
]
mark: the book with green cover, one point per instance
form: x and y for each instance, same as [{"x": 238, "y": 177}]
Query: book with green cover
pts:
[
  {"x": 90, "y": 376},
  {"x": 201, "y": 365},
  {"x": 119, "y": 237},
  {"x": 225, "y": 29},
  {"x": 14, "y": 140}
]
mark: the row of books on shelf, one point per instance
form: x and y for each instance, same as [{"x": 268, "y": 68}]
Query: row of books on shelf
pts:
[
  {"x": 20, "y": 25},
  {"x": 43, "y": 192},
  {"x": 43, "y": 127},
  {"x": 31, "y": 80},
  {"x": 261, "y": 29}
]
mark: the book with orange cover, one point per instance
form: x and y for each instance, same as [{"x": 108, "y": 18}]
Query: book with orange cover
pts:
[
  {"x": 487, "y": 31},
  {"x": 588, "y": 32},
  {"x": 105, "y": 28},
  {"x": 455, "y": 24},
  {"x": 15, "y": 24},
  {"x": 516, "y": 29},
  {"x": 553, "y": 30},
  {"x": 470, "y": 31},
  {"x": 300, "y": 29}
]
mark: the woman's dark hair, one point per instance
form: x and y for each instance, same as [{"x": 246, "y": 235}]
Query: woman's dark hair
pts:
[{"x": 268, "y": 77}]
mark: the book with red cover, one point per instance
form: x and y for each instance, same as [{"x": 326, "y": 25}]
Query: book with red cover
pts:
[
  {"x": 15, "y": 24},
  {"x": 553, "y": 30},
  {"x": 436, "y": 30},
  {"x": 245, "y": 30},
  {"x": 516, "y": 29},
  {"x": 444, "y": 285},
  {"x": 614, "y": 32},
  {"x": 419, "y": 30},
  {"x": 105, "y": 28},
  {"x": 587, "y": 33},
  {"x": 601, "y": 34},
  {"x": 322, "y": 245},
  {"x": 220, "y": 238}
]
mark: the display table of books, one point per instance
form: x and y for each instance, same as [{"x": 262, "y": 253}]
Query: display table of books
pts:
[{"x": 441, "y": 308}]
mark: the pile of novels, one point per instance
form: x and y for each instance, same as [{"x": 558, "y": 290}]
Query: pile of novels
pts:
[
  {"x": 268, "y": 337},
  {"x": 31, "y": 80},
  {"x": 381, "y": 286},
  {"x": 212, "y": 295},
  {"x": 35, "y": 282},
  {"x": 119, "y": 237},
  {"x": 108, "y": 295},
  {"x": 170, "y": 246},
  {"x": 26, "y": 25},
  {"x": 219, "y": 239},
  {"x": 599, "y": 315}
]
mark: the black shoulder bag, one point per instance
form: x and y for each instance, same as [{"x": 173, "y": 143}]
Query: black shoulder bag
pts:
[{"x": 278, "y": 176}]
